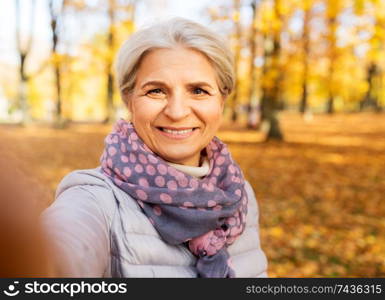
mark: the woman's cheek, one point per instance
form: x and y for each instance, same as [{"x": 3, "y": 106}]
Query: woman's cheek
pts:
[
  {"x": 146, "y": 110},
  {"x": 213, "y": 114},
  {"x": 205, "y": 107}
]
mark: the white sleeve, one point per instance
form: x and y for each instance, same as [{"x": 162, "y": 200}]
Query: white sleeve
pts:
[
  {"x": 248, "y": 258},
  {"x": 253, "y": 224},
  {"x": 77, "y": 229}
]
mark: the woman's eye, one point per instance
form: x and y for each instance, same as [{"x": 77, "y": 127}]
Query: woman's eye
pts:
[
  {"x": 199, "y": 91},
  {"x": 155, "y": 91}
]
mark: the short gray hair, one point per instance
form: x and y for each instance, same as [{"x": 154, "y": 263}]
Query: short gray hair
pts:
[{"x": 169, "y": 34}]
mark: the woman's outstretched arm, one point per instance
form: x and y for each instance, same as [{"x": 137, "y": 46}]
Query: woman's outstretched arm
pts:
[{"x": 78, "y": 233}]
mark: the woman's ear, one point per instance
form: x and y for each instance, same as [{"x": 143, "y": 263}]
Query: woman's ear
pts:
[
  {"x": 224, "y": 97},
  {"x": 126, "y": 97}
]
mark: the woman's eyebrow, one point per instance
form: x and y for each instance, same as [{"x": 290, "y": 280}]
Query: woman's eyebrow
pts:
[
  {"x": 201, "y": 83},
  {"x": 153, "y": 82},
  {"x": 190, "y": 84}
]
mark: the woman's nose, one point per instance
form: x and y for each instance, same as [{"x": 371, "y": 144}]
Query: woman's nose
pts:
[{"x": 177, "y": 107}]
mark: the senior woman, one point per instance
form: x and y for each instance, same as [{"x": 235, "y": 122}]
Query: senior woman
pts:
[{"x": 168, "y": 200}]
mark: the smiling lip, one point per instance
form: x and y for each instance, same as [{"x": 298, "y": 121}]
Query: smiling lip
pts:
[{"x": 176, "y": 136}]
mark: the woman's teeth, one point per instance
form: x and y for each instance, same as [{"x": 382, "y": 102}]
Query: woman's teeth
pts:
[{"x": 177, "y": 131}]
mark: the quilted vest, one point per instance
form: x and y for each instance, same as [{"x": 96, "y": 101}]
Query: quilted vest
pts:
[{"x": 98, "y": 230}]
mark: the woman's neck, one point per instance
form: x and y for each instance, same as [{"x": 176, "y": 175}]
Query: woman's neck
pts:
[{"x": 200, "y": 171}]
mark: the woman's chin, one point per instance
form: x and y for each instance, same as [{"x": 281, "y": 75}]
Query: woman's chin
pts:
[{"x": 181, "y": 157}]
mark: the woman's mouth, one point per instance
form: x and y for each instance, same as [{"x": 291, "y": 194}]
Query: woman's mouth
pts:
[{"x": 177, "y": 133}]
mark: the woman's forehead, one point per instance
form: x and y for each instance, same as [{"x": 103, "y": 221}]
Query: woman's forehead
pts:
[{"x": 181, "y": 64}]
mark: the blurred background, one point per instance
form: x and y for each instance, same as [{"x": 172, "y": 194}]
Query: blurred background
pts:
[{"x": 306, "y": 121}]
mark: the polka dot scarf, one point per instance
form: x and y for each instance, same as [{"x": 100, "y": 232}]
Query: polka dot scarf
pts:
[{"x": 205, "y": 214}]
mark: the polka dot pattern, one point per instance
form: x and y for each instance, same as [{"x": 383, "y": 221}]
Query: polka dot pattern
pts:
[
  {"x": 152, "y": 159},
  {"x": 164, "y": 192},
  {"x": 132, "y": 158},
  {"x": 220, "y": 160},
  {"x": 143, "y": 182},
  {"x": 160, "y": 181},
  {"x": 211, "y": 203},
  {"x": 194, "y": 183},
  {"x": 182, "y": 182},
  {"x": 109, "y": 162},
  {"x": 172, "y": 171},
  {"x": 142, "y": 158},
  {"x": 150, "y": 170},
  {"x": 112, "y": 151},
  {"x": 142, "y": 195},
  {"x": 171, "y": 184},
  {"x": 166, "y": 198},
  {"x": 162, "y": 169},
  {"x": 157, "y": 210},
  {"x": 127, "y": 171},
  {"x": 188, "y": 204}
]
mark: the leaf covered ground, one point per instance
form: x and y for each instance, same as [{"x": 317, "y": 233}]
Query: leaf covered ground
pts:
[{"x": 321, "y": 192}]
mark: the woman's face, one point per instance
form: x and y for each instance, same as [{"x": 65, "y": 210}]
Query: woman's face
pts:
[{"x": 176, "y": 105}]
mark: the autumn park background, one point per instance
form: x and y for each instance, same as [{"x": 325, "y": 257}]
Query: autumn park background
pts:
[{"x": 306, "y": 121}]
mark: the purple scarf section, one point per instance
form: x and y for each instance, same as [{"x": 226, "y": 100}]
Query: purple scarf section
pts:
[{"x": 207, "y": 214}]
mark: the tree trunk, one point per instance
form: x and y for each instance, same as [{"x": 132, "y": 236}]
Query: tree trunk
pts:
[
  {"x": 110, "y": 46},
  {"x": 330, "y": 105},
  {"x": 303, "y": 107},
  {"x": 269, "y": 115},
  {"x": 272, "y": 78},
  {"x": 306, "y": 50},
  {"x": 23, "y": 51},
  {"x": 110, "y": 98},
  {"x": 252, "y": 113},
  {"x": 23, "y": 91},
  {"x": 370, "y": 99},
  {"x": 237, "y": 56},
  {"x": 58, "y": 93},
  {"x": 332, "y": 22},
  {"x": 271, "y": 93},
  {"x": 56, "y": 14}
]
